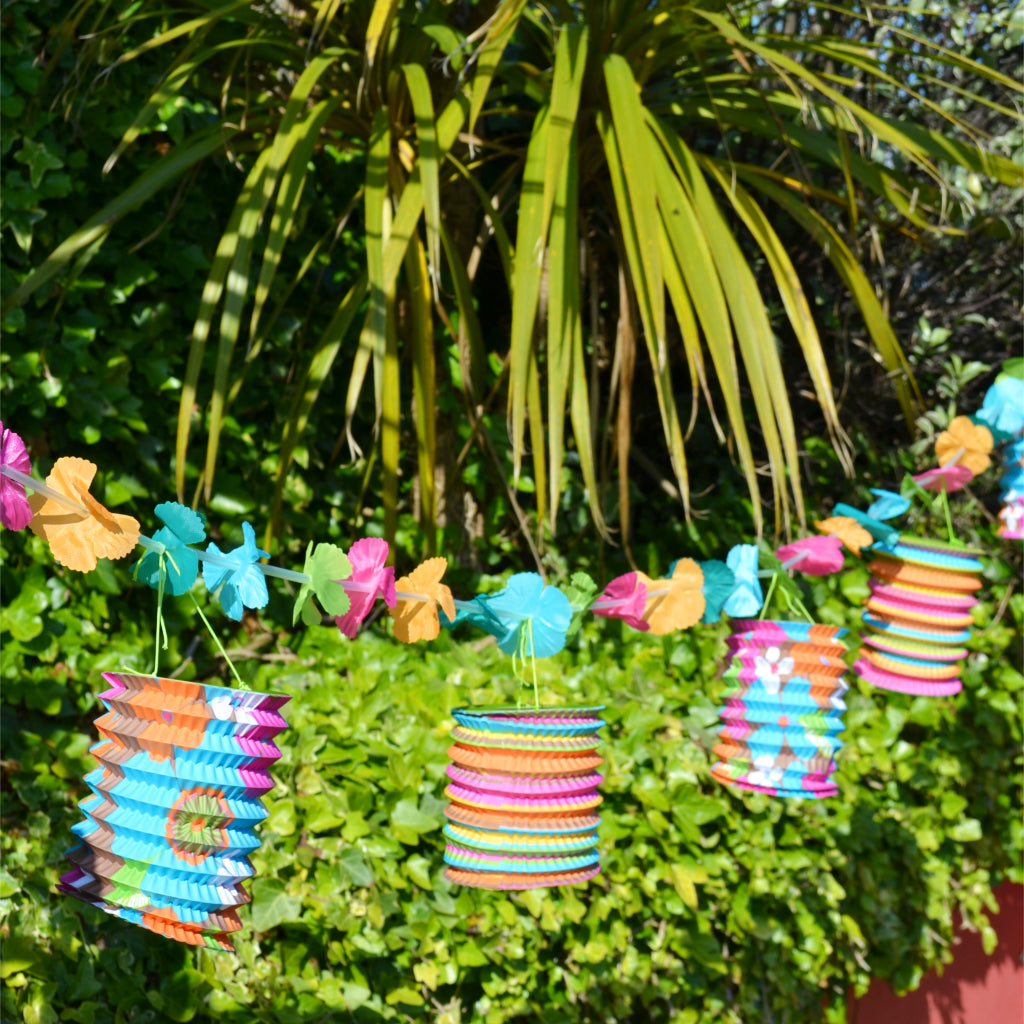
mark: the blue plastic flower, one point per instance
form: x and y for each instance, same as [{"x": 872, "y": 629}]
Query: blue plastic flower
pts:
[
  {"x": 887, "y": 504},
  {"x": 183, "y": 526},
  {"x": 746, "y": 597},
  {"x": 1002, "y": 411},
  {"x": 478, "y": 615},
  {"x": 1011, "y": 484},
  {"x": 719, "y": 581},
  {"x": 526, "y": 599},
  {"x": 241, "y": 585}
]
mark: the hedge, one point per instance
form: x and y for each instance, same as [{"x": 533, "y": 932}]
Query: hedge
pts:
[{"x": 712, "y": 905}]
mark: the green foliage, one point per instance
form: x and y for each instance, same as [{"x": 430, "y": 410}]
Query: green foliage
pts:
[
  {"x": 596, "y": 146},
  {"x": 712, "y": 905}
]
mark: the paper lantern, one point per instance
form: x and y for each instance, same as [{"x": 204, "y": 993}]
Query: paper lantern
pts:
[
  {"x": 918, "y": 616},
  {"x": 524, "y": 797},
  {"x": 176, "y": 795},
  {"x": 783, "y": 708}
]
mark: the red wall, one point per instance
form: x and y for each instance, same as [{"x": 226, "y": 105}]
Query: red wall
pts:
[{"x": 974, "y": 989}]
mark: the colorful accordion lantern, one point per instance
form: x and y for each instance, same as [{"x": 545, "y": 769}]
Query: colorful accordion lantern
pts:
[
  {"x": 918, "y": 616},
  {"x": 783, "y": 708},
  {"x": 168, "y": 831},
  {"x": 523, "y": 794}
]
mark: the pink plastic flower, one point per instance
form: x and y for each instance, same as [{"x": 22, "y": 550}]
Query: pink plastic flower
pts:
[
  {"x": 371, "y": 579},
  {"x": 945, "y": 478},
  {"x": 15, "y": 511},
  {"x": 624, "y": 598},
  {"x": 818, "y": 556}
]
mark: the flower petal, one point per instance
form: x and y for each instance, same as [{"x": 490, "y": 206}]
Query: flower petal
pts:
[
  {"x": 964, "y": 444},
  {"x": 718, "y": 584},
  {"x": 887, "y": 504},
  {"x": 747, "y": 597},
  {"x": 818, "y": 556},
  {"x": 630, "y": 597},
  {"x": 367, "y": 556},
  {"x": 853, "y": 537},
  {"x": 681, "y": 601},
  {"x": 15, "y": 511},
  {"x": 945, "y": 478},
  {"x": 419, "y": 620},
  {"x": 78, "y": 538}
]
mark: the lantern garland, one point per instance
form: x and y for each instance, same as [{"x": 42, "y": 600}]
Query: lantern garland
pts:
[{"x": 182, "y": 766}]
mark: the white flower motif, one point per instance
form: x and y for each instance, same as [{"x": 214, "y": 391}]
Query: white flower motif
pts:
[
  {"x": 221, "y": 707},
  {"x": 772, "y": 668},
  {"x": 766, "y": 772},
  {"x": 1012, "y": 516}
]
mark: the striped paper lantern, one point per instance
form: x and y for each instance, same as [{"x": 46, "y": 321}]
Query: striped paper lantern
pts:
[
  {"x": 168, "y": 830},
  {"x": 783, "y": 708},
  {"x": 523, "y": 792},
  {"x": 918, "y": 616}
]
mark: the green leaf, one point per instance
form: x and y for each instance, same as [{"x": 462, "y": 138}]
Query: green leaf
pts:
[
  {"x": 228, "y": 255},
  {"x": 526, "y": 277},
  {"x": 325, "y": 564},
  {"x": 582, "y": 591},
  {"x": 684, "y": 878},
  {"x": 22, "y": 618},
  {"x": 353, "y": 865},
  {"x": 418, "y": 869},
  {"x": 272, "y": 905},
  {"x": 95, "y": 229},
  {"x": 409, "y": 822},
  {"x": 966, "y": 831},
  {"x": 428, "y": 163},
  {"x": 8, "y": 885},
  {"x": 38, "y": 159},
  {"x": 637, "y": 162},
  {"x": 404, "y": 995}
]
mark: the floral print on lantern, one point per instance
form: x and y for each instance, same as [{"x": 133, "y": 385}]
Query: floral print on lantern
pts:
[
  {"x": 783, "y": 708},
  {"x": 197, "y": 824},
  {"x": 773, "y": 668}
]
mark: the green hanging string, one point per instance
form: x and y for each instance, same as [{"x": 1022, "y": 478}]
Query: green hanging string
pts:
[
  {"x": 768, "y": 598},
  {"x": 160, "y": 628},
  {"x": 944, "y": 501},
  {"x": 794, "y": 604},
  {"x": 528, "y": 628},
  {"x": 220, "y": 646},
  {"x": 523, "y": 655}
]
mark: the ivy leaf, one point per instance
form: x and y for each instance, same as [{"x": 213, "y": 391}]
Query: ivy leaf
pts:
[
  {"x": 325, "y": 565},
  {"x": 271, "y": 904},
  {"x": 408, "y": 822},
  {"x": 582, "y": 591},
  {"x": 38, "y": 159}
]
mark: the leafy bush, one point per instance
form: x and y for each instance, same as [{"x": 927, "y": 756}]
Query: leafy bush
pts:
[{"x": 713, "y": 905}]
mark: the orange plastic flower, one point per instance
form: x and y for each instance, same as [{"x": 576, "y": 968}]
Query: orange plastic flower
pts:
[
  {"x": 849, "y": 531},
  {"x": 965, "y": 443},
  {"x": 78, "y": 538},
  {"x": 418, "y": 620},
  {"x": 675, "y": 603}
]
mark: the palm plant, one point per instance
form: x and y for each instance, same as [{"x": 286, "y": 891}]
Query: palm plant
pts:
[{"x": 613, "y": 153}]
